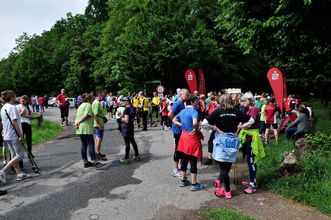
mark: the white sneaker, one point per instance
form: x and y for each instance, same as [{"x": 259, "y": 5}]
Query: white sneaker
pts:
[
  {"x": 4, "y": 163},
  {"x": 3, "y": 176},
  {"x": 175, "y": 173},
  {"x": 23, "y": 176}
]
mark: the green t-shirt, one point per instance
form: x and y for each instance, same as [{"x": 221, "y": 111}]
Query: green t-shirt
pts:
[
  {"x": 262, "y": 117},
  {"x": 98, "y": 110},
  {"x": 86, "y": 127}
]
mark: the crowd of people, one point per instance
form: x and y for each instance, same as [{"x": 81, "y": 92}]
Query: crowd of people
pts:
[{"x": 234, "y": 122}]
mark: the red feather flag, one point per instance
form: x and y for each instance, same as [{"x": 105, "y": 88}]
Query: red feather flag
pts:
[
  {"x": 276, "y": 81},
  {"x": 191, "y": 80}
]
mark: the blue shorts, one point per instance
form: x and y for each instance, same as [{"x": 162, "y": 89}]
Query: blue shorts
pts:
[{"x": 98, "y": 132}]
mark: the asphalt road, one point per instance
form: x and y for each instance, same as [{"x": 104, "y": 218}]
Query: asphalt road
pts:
[
  {"x": 140, "y": 190},
  {"x": 66, "y": 190}
]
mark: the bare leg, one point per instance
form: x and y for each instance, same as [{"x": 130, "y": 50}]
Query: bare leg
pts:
[{"x": 194, "y": 178}]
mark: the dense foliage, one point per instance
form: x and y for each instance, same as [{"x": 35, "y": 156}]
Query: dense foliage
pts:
[{"x": 118, "y": 45}]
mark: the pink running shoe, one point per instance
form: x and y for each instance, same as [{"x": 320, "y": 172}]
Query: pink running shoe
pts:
[
  {"x": 250, "y": 190},
  {"x": 219, "y": 192},
  {"x": 228, "y": 195},
  {"x": 217, "y": 184}
]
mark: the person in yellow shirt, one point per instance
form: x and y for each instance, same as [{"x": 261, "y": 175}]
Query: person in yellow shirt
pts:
[
  {"x": 135, "y": 104},
  {"x": 144, "y": 106},
  {"x": 155, "y": 108}
]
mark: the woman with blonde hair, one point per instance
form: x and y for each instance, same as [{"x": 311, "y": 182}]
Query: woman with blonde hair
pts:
[{"x": 225, "y": 121}]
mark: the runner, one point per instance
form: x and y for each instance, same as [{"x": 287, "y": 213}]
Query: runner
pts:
[
  {"x": 164, "y": 114},
  {"x": 128, "y": 131},
  {"x": 262, "y": 117},
  {"x": 84, "y": 128},
  {"x": 135, "y": 104},
  {"x": 190, "y": 142},
  {"x": 299, "y": 124},
  {"x": 25, "y": 113},
  {"x": 144, "y": 106},
  {"x": 99, "y": 114},
  {"x": 226, "y": 120},
  {"x": 155, "y": 108},
  {"x": 251, "y": 143},
  {"x": 176, "y": 108},
  {"x": 11, "y": 138},
  {"x": 271, "y": 114},
  {"x": 64, "y": 108}
]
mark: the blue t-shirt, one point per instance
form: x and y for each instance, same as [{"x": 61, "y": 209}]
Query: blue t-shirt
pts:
[
  {"x": 176, "y": 108},
  {"x": 186, "y": 118}
]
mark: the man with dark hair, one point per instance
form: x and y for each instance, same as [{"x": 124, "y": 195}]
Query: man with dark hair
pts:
[
  {"x": 155, "y": 108},
  {"x": 144, "y": 105},
  {"x": 177, "y": 107},
  {"x": 99, "y": 114},
  {"x": 64, "y": 107}
]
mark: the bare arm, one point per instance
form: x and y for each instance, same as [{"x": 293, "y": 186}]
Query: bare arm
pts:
[
  {"x": 171, "y": 115},
  {"x": 17, "y": 128},
  {"x": 176, "y": 122},
  {"x": 83, "y": 118},
  {"x": 125, "y": 119}
]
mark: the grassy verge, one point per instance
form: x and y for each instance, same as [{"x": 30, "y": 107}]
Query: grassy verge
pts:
[
  {"x": 224, "y": 214},
  {"x": 313, "y": 185},
  {"x": 47, "y": 131}
]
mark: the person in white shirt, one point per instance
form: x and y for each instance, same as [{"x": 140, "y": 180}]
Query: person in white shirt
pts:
[
  {"x": 12, "y": 135},
  {"x": 25, "y": 113}
]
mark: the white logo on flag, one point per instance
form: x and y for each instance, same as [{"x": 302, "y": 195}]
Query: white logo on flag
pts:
[{"x": 275, "y": 76}]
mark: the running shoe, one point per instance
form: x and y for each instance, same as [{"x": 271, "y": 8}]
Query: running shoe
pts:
[
  {"x": 4, "y": 163},
  {"x": 125, "y": 161},
  {"x": 208, "y": 162},
  {"x": 88, "y": 164},
  {"x": 228, "y": 195},
  {"x": 184, "y": 183},
  {"x": 136, "y": 158},
  {"x": 219, "y": 192},
  {"x": 197, "y": 187},
  {"x": 23, "y": 176},
  {"x": 175, "y": 173},
  {"x": 247, "y": 183},
  {"x": 3, "y": 176},
  {"x": 251, "y": 189},
  {"x": 98, "y": 165},
  {"x": 100, "y": 157},
  {"x": 3, "y": 192}
]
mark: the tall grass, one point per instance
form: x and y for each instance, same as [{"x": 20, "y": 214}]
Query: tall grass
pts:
[{"x": 312, "y": 186}]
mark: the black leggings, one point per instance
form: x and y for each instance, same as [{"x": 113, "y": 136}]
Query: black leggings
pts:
[
  {"x": 193, "y": 161},
  {"x": 127, "y": 141},
  {"x": 177, "y": 154},
  {"x": 27, "y": 133},
  {"x": 225, "y": 168},
  {"x": 210, "y": 141}
]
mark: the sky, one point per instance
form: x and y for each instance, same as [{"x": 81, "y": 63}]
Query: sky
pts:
[{"x": 33, "y": 17}]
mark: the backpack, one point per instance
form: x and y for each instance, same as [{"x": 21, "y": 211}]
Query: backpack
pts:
[{"x": 225, "y": 147}]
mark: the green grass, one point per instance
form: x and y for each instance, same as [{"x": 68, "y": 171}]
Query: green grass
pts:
[
  {"x": 224, "y": 214},
  {"x": 312, "y": 186},
  {"x": 47, "y": 131}
]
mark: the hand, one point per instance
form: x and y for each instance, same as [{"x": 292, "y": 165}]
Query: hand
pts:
[
  {"x": 101, "y": 128},
  {"x": 20, "y": 140},
  {"x": 77, "y": 123}
]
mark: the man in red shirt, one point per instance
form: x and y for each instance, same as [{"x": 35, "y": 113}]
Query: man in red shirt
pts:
[
  {"x": 271, "y": 114},
  {"x": 64, "y": 108}
]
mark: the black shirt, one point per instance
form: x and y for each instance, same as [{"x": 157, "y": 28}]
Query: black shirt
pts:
[
  {"x": 128, "y": 129},
  {"x": 227, "y": 120}
]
